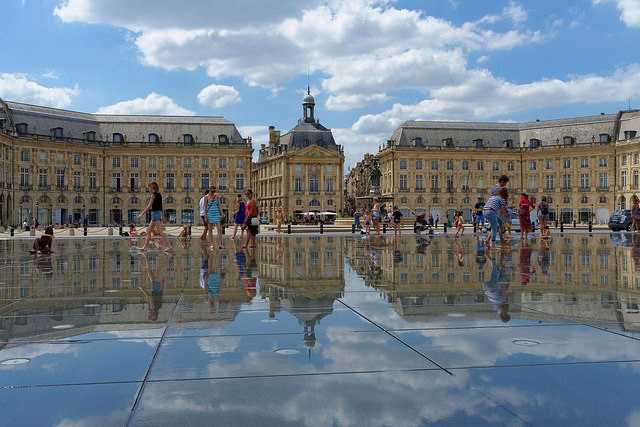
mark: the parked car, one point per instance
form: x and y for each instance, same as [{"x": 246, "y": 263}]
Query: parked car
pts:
[{"x": 620, "y": 220}]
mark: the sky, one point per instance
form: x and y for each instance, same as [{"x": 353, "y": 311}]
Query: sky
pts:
[{"x": 371, "y": 64}]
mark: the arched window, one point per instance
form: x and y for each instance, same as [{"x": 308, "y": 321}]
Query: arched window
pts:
[
  {"x": 314, "y": 203},
  {"x": 603, "y": 199},
  {"x": 419, "y": 200},
  {"x": 330, "y": 202},
  {"x": 170, "y": 200},
  {"x": 623, "y": 202},
  {"x": 118, "y": 138},
  {"x": 566, "y": 200},
  {"x": 133, "y": 200},
  {"x": 93, "y": 200},
  {"x": 187, "y": 139},
  {"x": 61, "y": 199},
  {"x": 403, "y": 200},
  {"x": 465, "y": 165},
  {"x": 188, "y": 200},
  {"x": 223, "y": 139},
  {"x": 154, "y": 138},
  {"x": 466, "y": 200},
  {"x": 77, "y": 200},
  {"x": 584, "y": 199},
  {"x": 115, "y": 200}
]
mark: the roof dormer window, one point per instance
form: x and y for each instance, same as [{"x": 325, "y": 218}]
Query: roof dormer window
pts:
[
  {"x": 628, "y": 134},
  {"x": 605, "y": 138},
  {"x": 447, "y": 142},
  {"x": 568, "y": 140},
  {"x": 90, "y": 136},
  {"x": 534, "y": 143},
  {"x": 223, "y": 139},
  {"x": 118, "y": 138},
  {"x": 23, "y": 129},
  {"x": 57, "y": 133},
  {"x": 508, "y": 143},
  {"x": 187, "y": 139},
  {"x": 478, "y": 143},
  {"x": 154, "y": 138}
]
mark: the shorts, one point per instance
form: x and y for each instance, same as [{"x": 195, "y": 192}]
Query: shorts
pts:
[
  {"x": 254, "y": 229},
  {"x": 239, "y": 219},
  {"x": 156, "y": 215}
]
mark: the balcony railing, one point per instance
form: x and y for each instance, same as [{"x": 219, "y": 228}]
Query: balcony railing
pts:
[
  {"x": 435, "y": 190},
  {"x": 451, "y": 189},
  {"x": 549, "y": 189},
  {"x": 94, "y": 189},
  {"x": 44, "y": 187},
  {"x": 566, "y": 189},
  {"x": 62, "y": 187},
  {"x": 584, "y": 189},
  {"x": 602, "y": 189},
  {"x": 26, "y": 187},
  {"x": 403, "y": 190},
  {"x": 115, "y": 189},
  {"x": 420, "y": 190},
  {"x": 134, "y": 190},
  {"x": 465, "y": 189},
  {"x": 532, "y": 190},
  {"x": 481, "y": 190},
  {"x": 78, "y": 188}
]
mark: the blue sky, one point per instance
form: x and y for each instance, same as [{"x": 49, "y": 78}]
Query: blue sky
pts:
[{"x": 372, "y": 63}]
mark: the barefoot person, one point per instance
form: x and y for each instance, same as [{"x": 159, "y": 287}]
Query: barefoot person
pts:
[
  {"x": 524, "y": 214},
  {"x": 155, "y": 207},
  {"x": 279, "y": 220},
  {"x": 202, "y": 205},
  {"x": 396, "y": 221},
  {"x": 459, "y": 224},
  {"x": 214, "y": 215},
  {"x": 239, "y": 217},
  {"x": 376, "y": 216},
  {"x": 492, "y": 211},
  {"x": 251, "y": 221}
]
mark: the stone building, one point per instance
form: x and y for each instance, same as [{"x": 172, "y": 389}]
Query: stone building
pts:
[
  {"x": 63, "y": 166},
  {"x": 301, "y": 170},
  {"x": 439, "y": 167}
]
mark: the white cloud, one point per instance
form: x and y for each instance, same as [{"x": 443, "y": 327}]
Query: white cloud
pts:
[
  {"x": 18, "y": 87},
  {"x": 363, "y": 47},
  {"x": 259, "y": 134},
  {"x": 629, "y": 11},
  {"x": 152, "y": 104},
  {"x": 482, "y": 59},
  {"x": 51, "y": 75},
  {"x": 468, "y": 100},
  {"x": 350, "y": 102},
  {"x": 218, "y": 96}
]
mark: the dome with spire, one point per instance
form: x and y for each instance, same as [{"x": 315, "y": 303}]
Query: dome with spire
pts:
[{"x": 308, "y": 98}]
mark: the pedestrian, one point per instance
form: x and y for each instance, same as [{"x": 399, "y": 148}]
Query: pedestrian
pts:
[
  {"x": 479, "y": 217},
  {"x": 356, "y": 219},
  {"x": 376, "y": 216},
  {"x": 397, "y": 219},
  {"x": 279, "y": 220},
  {"x": 635, "y": 213},
  {"x": 367, "y": 222},
  {"x": 239, "y": 217},
  {"x": 251, "y": 220},
  {"x": 156, "y": 224},
  {"x": 524, "y": 215},
  {"x": 437, "y": 220},
  {"x": 43, "y": 244},
  {"x": 543, "y": 215},
  {"x": 35, "y": 223},
  {"x": 214, "y": 215},
  {"x": 458, "y": 223},
  {"x": 534, "y": 213},
  {"x": 431, "y": 220},
  {"x": 503, "y": 180},
  {"x": 492, "y": 211},
  {"x": 203, "y": 214}
]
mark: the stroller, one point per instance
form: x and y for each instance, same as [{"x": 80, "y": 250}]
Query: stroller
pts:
[{"x": 422, "y": 226}]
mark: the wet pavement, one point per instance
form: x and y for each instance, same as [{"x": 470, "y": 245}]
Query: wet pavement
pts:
[{"x": 323, "y": 330}]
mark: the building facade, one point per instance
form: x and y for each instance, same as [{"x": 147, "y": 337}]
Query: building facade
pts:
[
  {"x": 300, "y": 171},
  {"x": 63, "y": 166},
  {"x": 584, "y": 166}
]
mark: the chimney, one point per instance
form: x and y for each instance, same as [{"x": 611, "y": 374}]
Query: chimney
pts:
[{"x": 274, "y": 135}]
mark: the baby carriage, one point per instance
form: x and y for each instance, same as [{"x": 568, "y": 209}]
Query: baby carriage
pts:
[{"x": 422, "y": 226}]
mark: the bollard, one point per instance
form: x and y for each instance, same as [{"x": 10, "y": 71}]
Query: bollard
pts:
[
  {"x": 475, "y": 227},
  {"x": 12, "y": 231},
  {"x": 32, "y": 231},
  {"x": 222, "y": 228},
  {"x": 430, "y": 231},
  {"x": 562, "y": 227},
  {"x": 289, "y": 228},
  {"x": 574, "y": 223},
  {"x": 110, "y": 231},
  {"x": 321, "y": 228},
  {"x": 556, "y": 223},
  {"x": 85, "y": 231},
  {"x": 444, "y": 226},
  {"x": 120, "y": 231},
  {"x": 353, "y": 228},
  {"x": 72, "y": 231},
  {"x": 590, "y": 226}
]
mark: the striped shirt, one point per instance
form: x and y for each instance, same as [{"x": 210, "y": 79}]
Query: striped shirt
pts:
[
  {"x": 495, "y": 204},
  {"x": 213, "y": 211}
]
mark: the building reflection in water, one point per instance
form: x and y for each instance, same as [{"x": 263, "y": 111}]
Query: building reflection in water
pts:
[{"x": 101, "y": 284}]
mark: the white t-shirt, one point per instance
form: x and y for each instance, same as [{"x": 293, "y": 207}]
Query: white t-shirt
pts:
[{"x": 202, "y": 204}]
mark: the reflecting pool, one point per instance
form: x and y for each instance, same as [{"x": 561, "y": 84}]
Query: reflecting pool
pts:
[{"x": 323, "y": 330}]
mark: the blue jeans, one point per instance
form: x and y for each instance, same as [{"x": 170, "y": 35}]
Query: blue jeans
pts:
[{"x": 493, "y": 219}]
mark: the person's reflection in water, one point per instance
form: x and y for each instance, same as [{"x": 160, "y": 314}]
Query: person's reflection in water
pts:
[
  {"x": 544, "y": 256},
  {"x": 250, "y": 279},
  {"x": 495, "y": 289},
  {"x": 481, "y": 253},
  {"x": 635, "y": 251},
  {"x": 214, "y": 277},
  {"x": 459, "y": 252},
  {"x": 154, "y": 299},
  {"x": 525, "y": 263},
  {"x": 397, "y": 254}
]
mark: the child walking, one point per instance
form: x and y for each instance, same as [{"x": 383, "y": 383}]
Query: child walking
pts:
[{"x": 459, "y": 224}]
